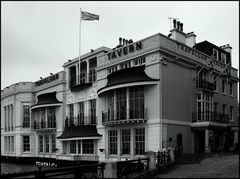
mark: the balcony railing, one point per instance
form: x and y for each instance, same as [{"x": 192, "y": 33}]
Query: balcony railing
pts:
[
  {"x": 111, "y": 117},
  {"x": 205, "y": 85},
  {"x": 49, "y": 124},
  {"x": 84, "y": 78},
  {"x": 210, "y": 116},
  {"x": 80, "y": 121}
]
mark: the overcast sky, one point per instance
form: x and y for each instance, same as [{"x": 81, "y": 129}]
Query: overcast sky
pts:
[{"x": 37, "y": 38}]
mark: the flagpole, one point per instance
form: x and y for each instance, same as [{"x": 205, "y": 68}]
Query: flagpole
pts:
[{"x": 79, "y": 58}]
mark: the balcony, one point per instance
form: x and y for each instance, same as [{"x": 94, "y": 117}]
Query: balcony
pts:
[
  {"x": 205, "y": 85},
  {"x": 84, "y": 80},
  {"x": 43, "y": 125},
  {"x": 128, "y": 116},
  {"x": 80, "y": 121},
  {"x": 208, "y": 116}
]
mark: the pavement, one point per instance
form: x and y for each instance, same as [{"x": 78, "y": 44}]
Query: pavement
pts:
[{"x": 217, "y": 166}]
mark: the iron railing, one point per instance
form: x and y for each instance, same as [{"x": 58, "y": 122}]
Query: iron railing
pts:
[
  {"x": 82, "y": 171},
  {"x": 124, "y": 115},
  {"x": 80, "y": 121},
  {"x": 83, "y": 79},
  {"x": 166, "y": 144},
  {"x": 210, "y": 116},
  {"x": 205, "y": 85},
  {"x": 130, "y": 167},
  {"x": 49, "y": 124}
]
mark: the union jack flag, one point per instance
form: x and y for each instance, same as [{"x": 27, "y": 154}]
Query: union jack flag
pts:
[{"x": 88, "y": 16}]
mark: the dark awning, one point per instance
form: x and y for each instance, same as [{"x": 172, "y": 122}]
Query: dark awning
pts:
[
  {"x": 46, "y": 99},
  {"x": 128, "y": 75},
  {"x": 80, "y": 132}
]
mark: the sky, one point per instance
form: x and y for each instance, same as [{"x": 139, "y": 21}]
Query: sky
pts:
[{"x": 37, "y": 38}]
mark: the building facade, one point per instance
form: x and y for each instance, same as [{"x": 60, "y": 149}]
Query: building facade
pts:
[{"x": 158, "y": 92}]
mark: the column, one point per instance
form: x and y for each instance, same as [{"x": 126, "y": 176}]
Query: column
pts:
[
  {"x": 46, "y": 118},
  {"x": 77, "y": 74},
  {"x": 7, "y": 117},
  {"x": 128, "y": 107},
  {"x": 87, "y": 79},
  {"x": 12, "y": 117},
  {"x": 207, "y": 149},
  {"x": 75, "y": 113},
  {"x": 115, "y": 104}
]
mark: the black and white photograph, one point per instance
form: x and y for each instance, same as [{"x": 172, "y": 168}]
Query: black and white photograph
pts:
[{"x": 119, "y": 89}]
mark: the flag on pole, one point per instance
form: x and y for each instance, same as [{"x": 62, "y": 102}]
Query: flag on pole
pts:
[{"x": 88, "y": 16}]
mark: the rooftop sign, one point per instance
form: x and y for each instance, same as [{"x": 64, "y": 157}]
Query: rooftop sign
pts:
[
  {"x": 46, "y": 80},
  {"x": 125, "y": 50}
]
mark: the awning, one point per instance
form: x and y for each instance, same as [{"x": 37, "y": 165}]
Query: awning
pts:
[
  {"x": 80, "y": 132},
  {"x": 128, "y": 76},
  {"x": 47, "y": 99}
]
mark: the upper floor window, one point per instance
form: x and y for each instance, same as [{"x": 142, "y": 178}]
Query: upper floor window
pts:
[
  {"x": 93, "y": 111},
  {"x": 223, "y": 86},
  {"x": 215, "y": 54},
  {"x": 26, "y": 116},
  {"x": 215, "y": 84},
  {"x": 140, "y": 61},
  {"x": 223, "y": 58},
  {"x": 125, "y": 65},
  {"x": 224, "y": 108},
  {"x": 92, "y": 75},
  {"x": 231, "y": 113},
  {"x": 231, "y": 88}
]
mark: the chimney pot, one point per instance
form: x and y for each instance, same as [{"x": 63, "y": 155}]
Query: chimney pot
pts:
[
  {"x": 120, "y": 40},
  {"x": 178, "y": 25},
  {"x": 174, "y": 23},
  {"x": 123, "y": 41}
]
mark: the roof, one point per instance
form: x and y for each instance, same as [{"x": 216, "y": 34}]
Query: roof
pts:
[
  {"x": 79, "y": 131},
  {"x": 128, "y": 75},
  {"x": 47, "y": 98}
]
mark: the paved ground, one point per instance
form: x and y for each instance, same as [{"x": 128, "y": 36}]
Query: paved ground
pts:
[{"x": 225, "y": 166}]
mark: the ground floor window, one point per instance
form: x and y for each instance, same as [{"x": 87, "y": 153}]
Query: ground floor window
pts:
[
  {"x": 78, "y": 147},
  {"x": 87, "y": 146},
  {"x": 47, "y": 143},
  {"x": 132, "y": 141},
  {"x": 26, "y": 143},
  {"x": 113, "y": 141},
  {"x": 40, "y": 143},
  {"x": 125, "y": 139},
  {"x": 9, "y": 143},
  {"x": 139, "y": 141}
]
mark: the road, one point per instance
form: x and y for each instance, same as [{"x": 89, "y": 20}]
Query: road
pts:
[{"x": 225, "y": 166}]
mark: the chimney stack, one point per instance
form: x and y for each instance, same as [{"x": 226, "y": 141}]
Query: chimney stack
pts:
[
  {"x": 120, "y": 40},
  {"x": 177, "y": 32},
  {"x": 227, "y": 48},
  {"x": 190, "y": 39}
]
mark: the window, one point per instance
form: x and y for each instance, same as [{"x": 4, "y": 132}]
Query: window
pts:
[
  {"x": 215, "y": 107},
  {"x": 42, "y": 118},
  {"x": 26, "y": 116},
  {"x": 140, "y": 61},
  {"x": 215, "y": 54},
  {"x": 92, "y": 75},
  {"x": 40, "y": 143},
  {"x": 139, "y": 141},
  {"x": 136, "y": 102},
  {"x": 87, "y": 146},
  {"x": 73, "y": 146},
  {"x": 46, "y": 143},
  {"x": 125, "y": 65},
  {"x": 64, "y": 143},
  {"x": 126, "y": 137},
  {"x": 224, "y": 109},
  {"x": 71, "y": 114},
  {"x": 12, "y": 143},
  {"x": 223, "y": 86},
  {"x": 111, "y": 106},
  {"x": 51, "y": 119},
  {"x": 112, "y": 141},
  {"x": 231, "y": 88},
  {"x": 81, "y": 113},
  {"x": 53, "y": 136},
  {"x": 79, "y": 146},
  {"x": 93, "y": 111},
  {"x": 231, "y": 113},
  {"x": 121, "y": 103},
  {"x": 223, "y": 58},
  {"x": 26, "y": 143},
  {"x": 82, "y": 78},
  {"x": 215, "y": 84}
]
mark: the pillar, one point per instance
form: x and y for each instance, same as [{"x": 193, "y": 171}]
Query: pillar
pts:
[
  {"x": 207, "y": 149},
  {"x": 87, "y": 77},
  {"x": 128, "y": 107},
  {"x": 77, "y": 74}
]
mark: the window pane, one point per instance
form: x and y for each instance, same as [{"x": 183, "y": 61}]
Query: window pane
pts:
[
  {"x": 88, "y": 146},
  {"x": 112, "y": 142},
  {"x": 125, "y": 142},
  {"x": 139, "y": 141}
]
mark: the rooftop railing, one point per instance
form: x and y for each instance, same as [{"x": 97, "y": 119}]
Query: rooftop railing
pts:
[{"x": 210, "y": 116}]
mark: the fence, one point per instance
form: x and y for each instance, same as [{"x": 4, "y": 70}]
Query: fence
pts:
[{"x": 83, "y": 171}]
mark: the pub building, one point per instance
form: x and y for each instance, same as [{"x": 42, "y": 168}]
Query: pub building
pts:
[{"x": 158, "y": 92}]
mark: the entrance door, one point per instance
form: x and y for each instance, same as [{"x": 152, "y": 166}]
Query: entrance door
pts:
[{"x": 179, "y": 142}]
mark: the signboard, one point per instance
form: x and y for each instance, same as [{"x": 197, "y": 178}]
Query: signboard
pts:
[{"x": 47, "y": 80}]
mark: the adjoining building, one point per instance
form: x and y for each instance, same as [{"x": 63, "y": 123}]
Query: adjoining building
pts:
[{"x": 158, "y": 92}]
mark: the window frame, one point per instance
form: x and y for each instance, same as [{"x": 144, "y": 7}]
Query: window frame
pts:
[
  {"x": 139, "y": 144},
  {"x": 113, "y": 142},
  {"x": 26, "y": 143}
]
